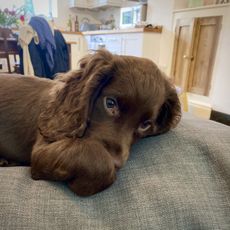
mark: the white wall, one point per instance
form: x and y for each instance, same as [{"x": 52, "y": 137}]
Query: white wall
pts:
[
  {"x": 160, "y": 13},
  {"x": 220, "y": 85},
  {"x": 220, "y": 94}
]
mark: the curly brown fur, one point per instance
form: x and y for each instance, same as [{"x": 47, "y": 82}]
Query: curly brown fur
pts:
[{"x": 65, "y": 130}]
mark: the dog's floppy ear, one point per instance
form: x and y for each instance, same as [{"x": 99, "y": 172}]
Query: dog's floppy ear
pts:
[
  {"x": 67, "y": 113},
  {"x": 170, "y": 112}
]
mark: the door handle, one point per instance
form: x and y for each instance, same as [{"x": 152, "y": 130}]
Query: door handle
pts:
[{"x": 188, "y": 57}]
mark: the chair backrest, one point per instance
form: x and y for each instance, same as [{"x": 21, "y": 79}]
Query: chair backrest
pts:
[
  {"x": 8, "y": 43},
  {"x": 8, "y": 46},
  {"x": 6, "y": 33}
]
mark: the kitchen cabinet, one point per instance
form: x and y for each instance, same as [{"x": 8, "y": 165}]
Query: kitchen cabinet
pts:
[
  {"x": 78, "y": 48},
  {"x": 113, "y": 43},
  {"x": 132, "y": 44},
  {"x": 92, "y": 4},
  {"x": 138, "y": 44},
  {"x": 145, "y": 45}
]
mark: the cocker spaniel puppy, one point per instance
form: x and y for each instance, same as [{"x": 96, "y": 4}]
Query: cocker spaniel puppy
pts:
[{"x": 79, "y": 127}]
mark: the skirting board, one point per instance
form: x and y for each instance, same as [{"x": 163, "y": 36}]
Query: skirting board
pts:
[{"x": 220, "y": 117}]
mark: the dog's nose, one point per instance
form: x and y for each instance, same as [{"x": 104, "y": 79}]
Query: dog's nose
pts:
[{"x": 117, "y": 163}]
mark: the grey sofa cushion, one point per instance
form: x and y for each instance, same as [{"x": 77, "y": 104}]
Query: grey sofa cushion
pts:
[{"x": 179, "y": 180}]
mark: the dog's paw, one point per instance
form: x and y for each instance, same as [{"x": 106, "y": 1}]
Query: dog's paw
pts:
[{"x": 35, "y": 175}]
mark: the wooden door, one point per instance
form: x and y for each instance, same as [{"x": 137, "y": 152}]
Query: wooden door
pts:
[
  {"x": 194, "y": 53},
  {"x": 182, "y": 52},
  {"x": 204, "y": 49}
]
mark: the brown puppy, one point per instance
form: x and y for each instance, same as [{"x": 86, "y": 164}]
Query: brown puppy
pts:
[{"x": 79, "y": 127}]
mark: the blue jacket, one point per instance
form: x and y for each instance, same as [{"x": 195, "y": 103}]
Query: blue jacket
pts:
[{"x": 46, "y": 38}]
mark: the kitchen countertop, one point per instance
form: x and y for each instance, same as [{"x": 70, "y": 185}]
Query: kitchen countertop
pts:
[
  {"x": 157, "y": 29},
  {"x": 119, "y": 31},
  {"x": 71, "y": 32}
]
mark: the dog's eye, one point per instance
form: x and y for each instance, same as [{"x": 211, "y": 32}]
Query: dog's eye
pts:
[
  {"x": 144, "y": 126},
  {"x": 111, "y": 102},
  {"x": 111, "y": 106}
]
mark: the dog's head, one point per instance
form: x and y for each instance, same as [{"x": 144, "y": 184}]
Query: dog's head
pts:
[{"x": 113, "y": 100}]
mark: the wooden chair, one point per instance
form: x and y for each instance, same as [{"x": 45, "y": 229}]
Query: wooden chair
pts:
[
  {"x": 184, "y": 101},
  {"x": 8, "y": 46},
  {"x": 183, "y": 98}
]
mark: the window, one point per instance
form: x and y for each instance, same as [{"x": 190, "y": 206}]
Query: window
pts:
[
  {"x": 132, "y": 15},
  {"x": 127, "y": 17}
]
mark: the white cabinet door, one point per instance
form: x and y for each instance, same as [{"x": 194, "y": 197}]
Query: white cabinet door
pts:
[
  {"x": 78, "y": 50},
  {"x": 87, "y": 43},
  {"x": 132, "y": 44},
  {"x": 113, "y": 43},
  {"x": 139, "y": 44}
]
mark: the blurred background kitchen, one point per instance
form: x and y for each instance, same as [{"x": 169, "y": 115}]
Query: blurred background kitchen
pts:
[{"x": 187, "y": 39}]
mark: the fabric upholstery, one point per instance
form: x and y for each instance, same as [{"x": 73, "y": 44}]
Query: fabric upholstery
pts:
[{"x": 179, "y": 180}]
